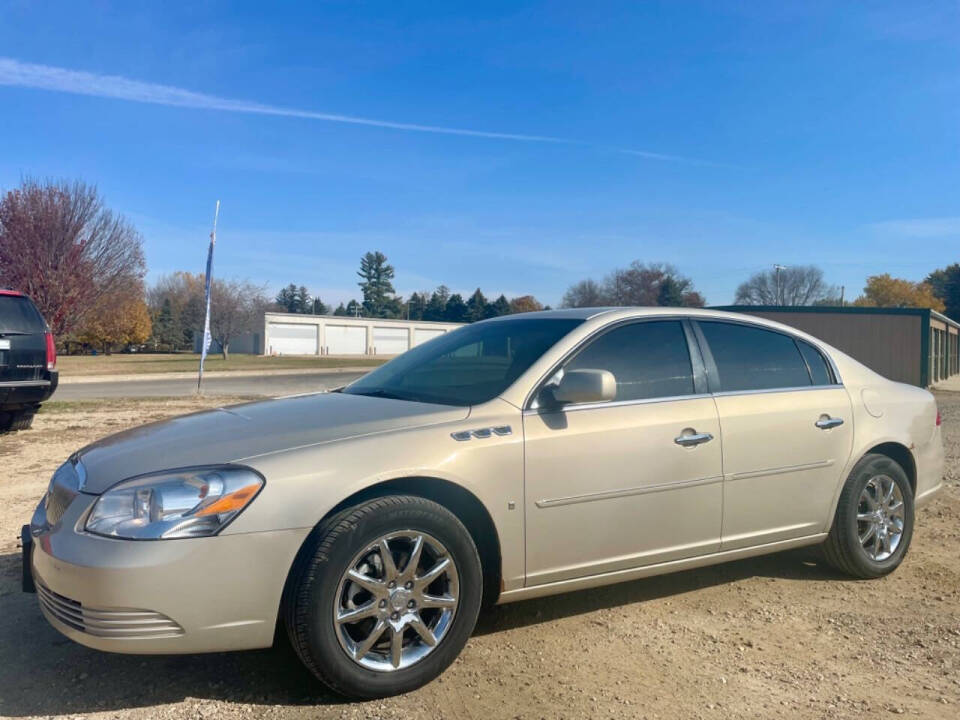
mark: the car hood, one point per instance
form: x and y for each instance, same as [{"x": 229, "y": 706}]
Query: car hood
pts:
[{"x": 233, "y": 433}]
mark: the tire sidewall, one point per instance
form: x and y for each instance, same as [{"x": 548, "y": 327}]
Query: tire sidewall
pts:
[
  {"x": 868, "y": 468},
  {"x": 330, "y": 660}
]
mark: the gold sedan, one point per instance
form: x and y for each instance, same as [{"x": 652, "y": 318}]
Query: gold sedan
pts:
[{"x": 512, "y": 458}]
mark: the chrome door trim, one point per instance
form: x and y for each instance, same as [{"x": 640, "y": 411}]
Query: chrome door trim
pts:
[
  {"x": 627, "y": 492},
  {"x": 767, "y": 391},
  {"x": 780, "y": 470},
  {"x": 615, "y": 403}
]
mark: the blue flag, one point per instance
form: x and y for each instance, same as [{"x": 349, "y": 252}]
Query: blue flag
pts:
[{"x": 206, "y": 289}]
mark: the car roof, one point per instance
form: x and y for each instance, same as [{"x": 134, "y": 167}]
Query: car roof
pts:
[{"x": 588, "y": 313}]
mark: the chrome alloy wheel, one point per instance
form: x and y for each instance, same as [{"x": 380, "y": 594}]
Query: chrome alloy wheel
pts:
[
  {"x": 880, "y": 517},
  {"x": 396, "y": 601}
]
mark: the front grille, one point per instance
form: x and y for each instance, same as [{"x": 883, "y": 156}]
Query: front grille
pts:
[
  {"x": 64, "y": 487},
  {"x": 123, "y": 624}
]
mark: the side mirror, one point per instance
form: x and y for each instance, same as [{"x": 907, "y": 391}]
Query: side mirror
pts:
[{"x": 584, "y": 386}]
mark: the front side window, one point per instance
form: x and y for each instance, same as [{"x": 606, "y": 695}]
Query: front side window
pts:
[
  {"x": 648, "y": 360},
  {"x": 751, "y": 358},
  {"x": 467, "y": 366}
]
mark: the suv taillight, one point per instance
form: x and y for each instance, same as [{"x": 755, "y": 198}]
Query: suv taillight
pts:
[{"x": 51, "y": 353}]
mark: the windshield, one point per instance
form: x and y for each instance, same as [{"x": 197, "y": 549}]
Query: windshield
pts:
[{"x": 467, "y": 366}]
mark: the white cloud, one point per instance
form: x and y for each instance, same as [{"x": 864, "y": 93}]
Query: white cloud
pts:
[
  {"x": 919, "y": 227},
  {"x": 46, "y": 77}
]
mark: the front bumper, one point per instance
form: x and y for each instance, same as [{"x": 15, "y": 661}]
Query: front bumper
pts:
[{"x": 168, "y": 596}]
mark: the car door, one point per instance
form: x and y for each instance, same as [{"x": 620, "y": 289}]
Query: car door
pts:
[
  {"x": 787, "y": 431},
  {"x": 633, "y": 481}
]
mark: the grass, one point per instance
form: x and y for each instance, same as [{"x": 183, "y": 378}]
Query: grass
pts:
[{"x": 142, "y": 363}]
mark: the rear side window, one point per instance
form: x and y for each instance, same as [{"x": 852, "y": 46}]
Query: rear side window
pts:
[
  {"x": 648, "y": 359},
  {"x": 18, "y": 315},
  {"x": 750, "y": 358},
  {"x": 819, "y": 372}
]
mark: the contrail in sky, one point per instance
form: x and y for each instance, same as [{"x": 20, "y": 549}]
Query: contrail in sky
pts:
[{"x": 46, "y": 77}]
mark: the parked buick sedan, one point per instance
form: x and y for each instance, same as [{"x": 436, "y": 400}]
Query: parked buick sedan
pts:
[{"x": 513, "y": 458}]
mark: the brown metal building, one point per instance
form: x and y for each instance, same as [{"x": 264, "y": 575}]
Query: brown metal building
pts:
[{"x": 911, "y": 345}]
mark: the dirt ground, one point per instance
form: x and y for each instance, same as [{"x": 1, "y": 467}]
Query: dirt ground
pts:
[{"x": 775, "y": 636}]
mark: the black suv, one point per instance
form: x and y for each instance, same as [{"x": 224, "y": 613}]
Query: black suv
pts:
[{"x": 28, "y": 361}]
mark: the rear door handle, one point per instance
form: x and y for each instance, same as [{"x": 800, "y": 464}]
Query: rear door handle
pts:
[
  {"x": 693, "y": 439},
  {"x": 826, "y": 422}
]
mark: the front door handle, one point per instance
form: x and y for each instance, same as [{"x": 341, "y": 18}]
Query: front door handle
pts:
[
  {"x": 693, "y": 439},
  {"x": 826, "y": 422}
]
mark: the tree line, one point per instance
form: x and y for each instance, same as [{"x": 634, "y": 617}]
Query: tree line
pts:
[
  {"x": 84, "y": 267},
  {"x": 380, "y": 299}
]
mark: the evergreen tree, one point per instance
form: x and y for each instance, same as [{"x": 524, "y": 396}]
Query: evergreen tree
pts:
[
  {"x": 378, "y": 292},
  {"x": 670, "y": 293},
  {"x": 437, "y": 307},
  {"x": 317, "y": 307},
  {"x": 303, "y": 302},
  {"x": 287, "y": 298},
  {"x": 341, "y": 310},
  {"x": 165, "y": 330},
  {"x": 416, "y": 306},
  {"x": 456, "y": 310},
  {"x": 476, "y": 306},
  {"x": 500, "y": 306},
  {"x": 354, "y": 309}
]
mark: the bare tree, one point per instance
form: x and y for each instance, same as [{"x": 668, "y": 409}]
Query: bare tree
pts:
[
  {"x": 586, "y": 293},
  {"x": 645, "y": 284},
  {"x": 61, "y": 246},
  {"x": 796, "y": 285},
  {"x": 236, "y": 307}
]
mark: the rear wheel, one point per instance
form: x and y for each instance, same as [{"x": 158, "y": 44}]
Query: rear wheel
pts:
[
  {"x": 873, "y": 524},
  {"x": 12, "y": 420},
  {"x": 385, "y": 596}
]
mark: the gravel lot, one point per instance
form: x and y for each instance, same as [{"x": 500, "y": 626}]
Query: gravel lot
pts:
[{"x": 780, "y": 635}]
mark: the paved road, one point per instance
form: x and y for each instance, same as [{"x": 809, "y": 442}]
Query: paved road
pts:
[{"x": 269, "y": 385}]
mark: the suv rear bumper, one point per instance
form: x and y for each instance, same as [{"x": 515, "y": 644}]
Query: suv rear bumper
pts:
[{"x": 18, "y": 393}]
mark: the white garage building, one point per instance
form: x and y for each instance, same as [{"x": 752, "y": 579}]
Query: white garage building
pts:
[{"x": 294, "y": 334}]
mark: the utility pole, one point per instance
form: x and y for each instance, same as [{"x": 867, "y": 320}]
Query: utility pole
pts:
[
  {"x": 842, "y": 288},
  {"x": 778, "y": 268}
]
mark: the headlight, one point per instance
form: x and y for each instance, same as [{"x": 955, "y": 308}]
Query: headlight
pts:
[{"x": 177, "y": 504}]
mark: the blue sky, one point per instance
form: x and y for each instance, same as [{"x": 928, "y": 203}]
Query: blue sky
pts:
[{"x": 721, "y": 137}]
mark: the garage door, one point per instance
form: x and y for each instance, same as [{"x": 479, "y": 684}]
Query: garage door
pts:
[
  {"x": 346, "y": 340},
  {"x": 421, "y": 335},
  {"x": 390, "y": 341},
  {"x": 292, "y": 339}
]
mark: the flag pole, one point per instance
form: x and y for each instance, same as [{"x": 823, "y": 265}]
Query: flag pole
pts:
[{"x": 206, "y": 290}]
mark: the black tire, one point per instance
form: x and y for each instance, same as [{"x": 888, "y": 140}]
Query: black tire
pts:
[
  {"x": 842, "y": 548},
  {"x": 311, "y": 593},
  {"x": 17, "y": 419},
  {"x": 22, "y": 420}
]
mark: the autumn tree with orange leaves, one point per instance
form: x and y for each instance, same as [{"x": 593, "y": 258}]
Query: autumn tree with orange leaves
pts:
[
  {"x": 887, "y": 291},
  {"x": 121, "y": 319}
]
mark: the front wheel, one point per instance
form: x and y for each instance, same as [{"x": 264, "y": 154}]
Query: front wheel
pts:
[
  {"x": 873, "y": 524},
  {"x": 384, "y": 596}
]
